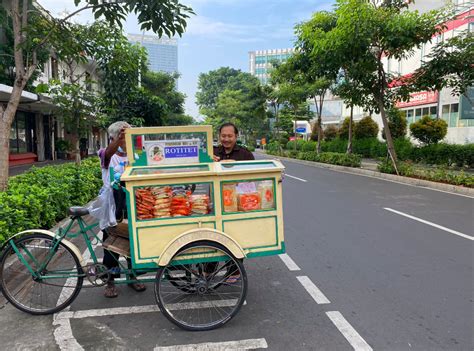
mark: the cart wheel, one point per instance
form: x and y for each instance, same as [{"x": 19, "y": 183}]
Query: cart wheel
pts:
[{"x": 205, "y": 294}]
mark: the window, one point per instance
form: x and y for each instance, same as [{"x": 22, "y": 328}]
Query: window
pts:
[
  {"x": 22, "y": 133},
  {"x": 54, "y": 68},
  {"x": 426, "y": 111},
  {"x": 417, "y": 114},
  {"x": 451, "y": 114},
  {"x": 433, "y": 111},
  {"x": 410, "y": 116},
  {"x": 248, "y": 196}
]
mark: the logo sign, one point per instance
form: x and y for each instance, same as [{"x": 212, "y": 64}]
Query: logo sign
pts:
[
  {"x": 172, "y": 152},
  {"x": 300, "y": 130},
  {"x": 420, "y": 98}
]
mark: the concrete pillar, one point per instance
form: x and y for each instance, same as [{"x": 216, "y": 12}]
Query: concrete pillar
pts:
[{"x": 39, "y": 136}]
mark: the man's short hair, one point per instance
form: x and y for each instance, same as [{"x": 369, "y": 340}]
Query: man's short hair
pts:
[
  {"x": 229, "y": 124},
  {"x": 115, "y": 128}
]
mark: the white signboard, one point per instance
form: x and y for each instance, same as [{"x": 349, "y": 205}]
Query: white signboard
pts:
[{"x": 165, "y": 152}]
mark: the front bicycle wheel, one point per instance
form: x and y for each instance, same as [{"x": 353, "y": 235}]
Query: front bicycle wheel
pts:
[
  {"x": 197, "y": 290},
  {"x": 56, "y": 284}
]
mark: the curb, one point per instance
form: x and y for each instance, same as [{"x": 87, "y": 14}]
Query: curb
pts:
[{"x": 455, "y": 189}]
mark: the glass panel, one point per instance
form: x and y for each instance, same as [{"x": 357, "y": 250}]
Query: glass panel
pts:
[
  {"x": 21, "y": 125},
  {"x": 433, "y": 111},
  {"x": 248, "y": 196},
  {"x": 445, "y": 114},
  {"x": 13, "y": 139},
  {"x": 167, "y": 170},
  {"x": 426, "y": 111},
  {"x": 417, "y": 114},
  {"x": 454, "y": 108},
  {"x": 410, "y": 118},
  {"x": 241, "y": 166},
  {"x": 183, "y": 200}
]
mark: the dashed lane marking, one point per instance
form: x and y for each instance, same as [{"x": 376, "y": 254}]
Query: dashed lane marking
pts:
[
  {"x": 292, "y": 266},
  {"x": 300, "y": 179},
  {"x": 313, "y": 290},
  {"x": 354, "y": 338}
]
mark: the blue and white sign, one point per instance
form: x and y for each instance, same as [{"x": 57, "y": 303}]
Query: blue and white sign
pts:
[
  {"x": 181, "y": 151},
  {"x": 172, "y": 152},
  {"x": 300, "y": 130}
]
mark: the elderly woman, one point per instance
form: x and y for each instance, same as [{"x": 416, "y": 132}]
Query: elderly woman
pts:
[{"x": 114, "y": 157}]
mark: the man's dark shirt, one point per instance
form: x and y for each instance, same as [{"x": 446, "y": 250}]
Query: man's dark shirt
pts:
[{"x": 238, "y": 153}]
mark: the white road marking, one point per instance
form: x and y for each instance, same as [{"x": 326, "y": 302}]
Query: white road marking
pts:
[
  {"x": 249, "y": 344},
  {"x": 313, "y": 290},
  {"x": 354, "y": 338},
  {"x": 63, "y": 334},
  {"x": 115, "y": 311},
  {"x": 300, "y": 179},
  {"x": 292, "y": 266},
  {"x": 430, "y": 223}
]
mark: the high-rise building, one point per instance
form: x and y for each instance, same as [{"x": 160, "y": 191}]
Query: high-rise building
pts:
[
  {"x": 162, "y": 52},
  {"x": 260, "y": 62}
]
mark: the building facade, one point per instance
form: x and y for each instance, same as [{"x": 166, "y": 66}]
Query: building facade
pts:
[
  {"x": 260, "y": 62},
  {"x": 162, "y": 52}
]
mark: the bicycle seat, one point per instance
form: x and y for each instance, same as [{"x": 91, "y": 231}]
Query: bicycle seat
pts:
[{"x": 77, "y": 211}]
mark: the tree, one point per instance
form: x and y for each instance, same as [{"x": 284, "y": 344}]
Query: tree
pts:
[
  {"x": 368, "y": 33},
  {"x": 318, "y": 75},
  {"x": 450, "y": 64},
  {"x": 397, "y": 123},
  {"x": 30, "y": 37},
  {"x": 347, "y": 124},
  {"x": 210, "y": 85},
  {"x": 428, "y": 130},
  {"x": 366, "y": 128}
]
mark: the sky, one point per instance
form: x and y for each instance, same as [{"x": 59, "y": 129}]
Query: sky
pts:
[{"x": 222, "y": 33}]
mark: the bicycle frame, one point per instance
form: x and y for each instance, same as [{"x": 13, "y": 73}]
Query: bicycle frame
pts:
[{"x": 90, "y": 238}]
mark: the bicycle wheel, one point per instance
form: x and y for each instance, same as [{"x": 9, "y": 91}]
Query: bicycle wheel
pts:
[
  {"x": 209, "y": 294},
  {"x": 58, "y": 283}
]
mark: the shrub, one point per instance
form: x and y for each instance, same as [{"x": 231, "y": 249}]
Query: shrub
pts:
[
  {"x": 63, "y": 145},
  {"x": 299, "y": 144},
  {"x": 332, "y": 158},
  {"x": 369, "y": 147},
  {"x": 441, "y": 175},
  {"x": 309, "y": 146},
  {"x": 445, "y": 154},
  {"x": 397, "y": 123},
  {"x": 336, "y": 145},
  {"x": 344, "y": 130},
  {"x": 366, "y": 128},
  {"x": 404, "y": 148},
  {"x": 330, "y": 132},
  {"x": 428, "y": 130},
  {"x": 41, "y": 196}
]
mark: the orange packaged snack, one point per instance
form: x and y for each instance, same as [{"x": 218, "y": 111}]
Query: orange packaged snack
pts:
[
  {"x": 229, "y": 197},
  {"x": 249, "y": 202}
]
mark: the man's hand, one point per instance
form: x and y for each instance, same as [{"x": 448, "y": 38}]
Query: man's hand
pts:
[{"x": 216, "y": 158}]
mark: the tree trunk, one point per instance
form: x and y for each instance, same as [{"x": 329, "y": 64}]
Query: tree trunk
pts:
[
  {"x": 388, "y": 136},
  {"x": 349, "y": 141}
]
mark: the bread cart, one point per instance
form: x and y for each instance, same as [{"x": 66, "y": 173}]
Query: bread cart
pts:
[{"x": 196, "y": 220}]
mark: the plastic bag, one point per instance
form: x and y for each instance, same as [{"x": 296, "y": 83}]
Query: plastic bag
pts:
[{"x": 103, "y": 208}]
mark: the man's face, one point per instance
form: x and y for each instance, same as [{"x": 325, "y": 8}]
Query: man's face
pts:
[{"x": 228, "y": 138}]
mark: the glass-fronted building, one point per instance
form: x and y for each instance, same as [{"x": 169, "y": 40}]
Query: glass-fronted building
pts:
[
  {"x": 260, "y": 62},
  {"x": 162, "y": 52}
]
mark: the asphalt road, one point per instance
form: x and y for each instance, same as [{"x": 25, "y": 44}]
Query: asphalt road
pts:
[{"x": 363, "y": 278}]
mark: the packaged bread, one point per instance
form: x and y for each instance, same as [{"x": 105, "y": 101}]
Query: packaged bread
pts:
[
  {"x": 265, "y": 189},
  {"x": 229, "y": 197}
]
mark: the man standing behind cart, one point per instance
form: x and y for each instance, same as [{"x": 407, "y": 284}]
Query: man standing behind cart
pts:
[
  {"x": 228, "y": 150},
  {"x": 114, "y": 157}
]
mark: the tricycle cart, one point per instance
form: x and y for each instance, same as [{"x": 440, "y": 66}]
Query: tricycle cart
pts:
[{"x": 191, "y": 221}]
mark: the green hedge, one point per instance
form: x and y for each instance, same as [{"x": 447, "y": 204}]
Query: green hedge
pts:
[
  {"x": 435, "y": 154},
  {"x": 332, "y": 158},
  {"x": 40, "y": 197},
  {"x": 441, "y": 175}
]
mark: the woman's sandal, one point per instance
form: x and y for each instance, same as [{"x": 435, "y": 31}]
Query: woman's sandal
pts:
[
  {"x": 138, "y": 287},
  {"x": 111, "y": 290}
]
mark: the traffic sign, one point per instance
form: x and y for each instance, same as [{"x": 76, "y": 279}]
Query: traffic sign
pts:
[{"x": 300, "y": 130}]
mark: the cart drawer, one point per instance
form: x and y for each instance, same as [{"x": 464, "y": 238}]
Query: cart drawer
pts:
[{"x": 253, "y": 233}]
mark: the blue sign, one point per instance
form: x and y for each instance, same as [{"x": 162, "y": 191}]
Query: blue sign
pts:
[
  {"x": 181, "y": 151},
  {"x": 300, "y": 130}
]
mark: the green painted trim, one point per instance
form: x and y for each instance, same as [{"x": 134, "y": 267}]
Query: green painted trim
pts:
[
  {"x": 249, "y": 219},
  {"x": 164, "y": 225},
  {"x": 273, "y": 179},
  {"x": 172, "y": 218},
  {"x": 265, "y": 253}
]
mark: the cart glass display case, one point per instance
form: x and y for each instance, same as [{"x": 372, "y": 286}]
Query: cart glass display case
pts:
[{"x": 175, "y": 193}]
